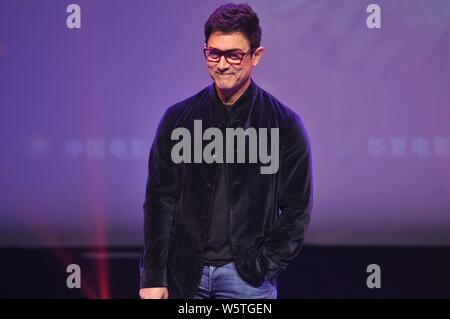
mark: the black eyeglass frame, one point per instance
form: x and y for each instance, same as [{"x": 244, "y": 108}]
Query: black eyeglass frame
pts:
[{"x": 226, "y": 55}]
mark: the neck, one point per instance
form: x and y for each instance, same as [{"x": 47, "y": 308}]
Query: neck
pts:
[{"x": 230, "y": 97}]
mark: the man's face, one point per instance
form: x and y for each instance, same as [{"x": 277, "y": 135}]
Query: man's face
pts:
[{"x": 226, "y": 76}]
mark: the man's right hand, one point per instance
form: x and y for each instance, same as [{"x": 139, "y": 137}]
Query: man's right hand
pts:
[{"x": 154, "y": 293}]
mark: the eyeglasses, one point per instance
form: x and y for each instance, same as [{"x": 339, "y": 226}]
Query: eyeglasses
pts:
[{"x": 234, "y": 57}]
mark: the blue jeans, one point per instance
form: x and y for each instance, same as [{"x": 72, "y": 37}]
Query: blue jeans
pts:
[{"x": 224, "y": 282}]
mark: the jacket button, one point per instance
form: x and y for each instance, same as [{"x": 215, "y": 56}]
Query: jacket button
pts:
[
  {"x": 203, "y": 218},
  {"x": 208, "y": 185}
]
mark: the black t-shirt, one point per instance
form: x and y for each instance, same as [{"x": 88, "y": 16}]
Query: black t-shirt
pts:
[{"x": 217, "y": 249}]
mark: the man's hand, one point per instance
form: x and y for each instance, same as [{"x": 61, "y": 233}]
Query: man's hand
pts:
[{"x": 154, "y": 293}]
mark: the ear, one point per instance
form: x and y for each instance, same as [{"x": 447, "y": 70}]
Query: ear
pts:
[{"x": 257, "y": 55}]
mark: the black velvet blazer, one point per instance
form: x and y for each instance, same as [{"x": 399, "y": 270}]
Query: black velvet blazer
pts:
[{"x": 269, "y": 213}]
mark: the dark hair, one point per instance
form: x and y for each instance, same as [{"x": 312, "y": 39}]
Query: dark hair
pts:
[{"x": 230, "y": 18}]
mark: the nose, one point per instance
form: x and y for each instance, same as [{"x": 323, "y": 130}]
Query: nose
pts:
[{"x": 223, "y": 65}]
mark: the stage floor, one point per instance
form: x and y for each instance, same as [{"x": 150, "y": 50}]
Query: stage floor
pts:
[{"x": 318, "y": 272}]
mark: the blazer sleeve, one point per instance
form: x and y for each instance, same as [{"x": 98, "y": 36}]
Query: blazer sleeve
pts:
[
  {"x": 295, "y": 199},
  {"x": 160, "y": 198}
]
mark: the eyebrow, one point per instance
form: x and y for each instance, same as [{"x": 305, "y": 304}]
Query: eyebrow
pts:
[{"x": 233, "y": 49}]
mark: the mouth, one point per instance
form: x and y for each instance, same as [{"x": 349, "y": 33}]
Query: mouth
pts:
[{"x": 224, "y": 74}]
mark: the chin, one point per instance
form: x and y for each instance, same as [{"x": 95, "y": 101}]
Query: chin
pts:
[{"x": 225, "y": 85}]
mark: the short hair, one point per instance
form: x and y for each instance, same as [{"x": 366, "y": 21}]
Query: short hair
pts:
[{"x": 230, "y": 18}]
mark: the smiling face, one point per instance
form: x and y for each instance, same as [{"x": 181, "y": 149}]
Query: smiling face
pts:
[{"x": 230, "y": 78}]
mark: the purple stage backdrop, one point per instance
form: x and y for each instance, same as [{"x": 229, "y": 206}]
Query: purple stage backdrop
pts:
[{"x": 80, "y": 106}]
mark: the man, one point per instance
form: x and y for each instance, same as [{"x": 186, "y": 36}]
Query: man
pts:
[{"x": 217, "y": 226}]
